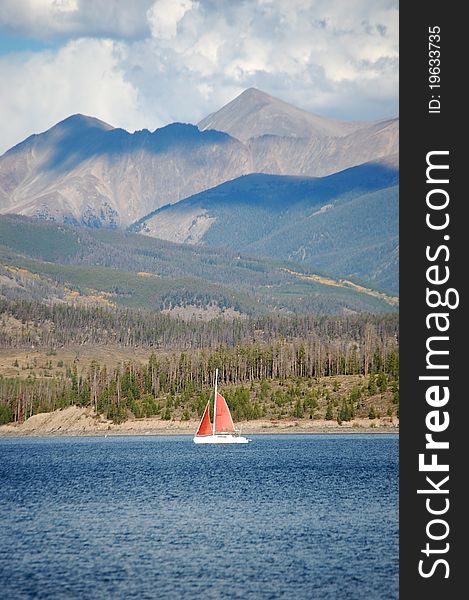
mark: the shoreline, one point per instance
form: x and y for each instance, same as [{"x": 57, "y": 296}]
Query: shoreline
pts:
[{"x": 83, "y": 422}]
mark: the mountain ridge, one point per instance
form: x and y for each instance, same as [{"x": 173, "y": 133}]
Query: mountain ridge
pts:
[
  {"x": 345, "y": 224},
  {"x": 57, "y": 263},
  {"x": 85, "y": 171}
]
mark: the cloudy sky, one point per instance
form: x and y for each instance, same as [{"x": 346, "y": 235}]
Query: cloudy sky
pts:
[{"x": 144, "y": 63}]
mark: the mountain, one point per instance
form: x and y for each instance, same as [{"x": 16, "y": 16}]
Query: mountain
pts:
[
  {"x": 255, "y": 113},
  {"x": 55, "y": 263},
  {"x": 345, "y": 225},
  {"x": 86, "y": 172},
  {"x": 285, "y": 140},
  {"x": 320, "y": 156}
]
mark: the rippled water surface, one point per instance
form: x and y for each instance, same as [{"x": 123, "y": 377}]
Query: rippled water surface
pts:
[{"x": 300, "y": 517}]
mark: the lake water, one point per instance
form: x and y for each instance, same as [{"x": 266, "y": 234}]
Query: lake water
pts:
[{"x": 299, "y": 517}]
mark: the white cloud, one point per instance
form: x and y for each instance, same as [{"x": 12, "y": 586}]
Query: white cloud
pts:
[
  {"x": 46, "y": 19},
  {"x": 165, "y": 15},
  {"x": 338, "y": 58},
  {"x": 82, "y": 77},
  {"x": 182, "y": 59}
]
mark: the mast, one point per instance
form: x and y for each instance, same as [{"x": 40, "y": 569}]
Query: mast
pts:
[{"x": 215, "y": 402}]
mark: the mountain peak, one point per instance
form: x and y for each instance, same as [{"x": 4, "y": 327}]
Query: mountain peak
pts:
[
  {"x": 83, "y": 121},
  {"x": 255, "y": 113},
  {"x": 75, "y": 125},
  {"x": 253, "y": 92}
]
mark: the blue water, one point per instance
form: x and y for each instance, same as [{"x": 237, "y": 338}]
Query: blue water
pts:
[{"x": 299, "y": 517}]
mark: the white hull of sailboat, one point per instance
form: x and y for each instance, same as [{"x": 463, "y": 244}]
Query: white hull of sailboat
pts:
[{"x": 221, "y": 439}]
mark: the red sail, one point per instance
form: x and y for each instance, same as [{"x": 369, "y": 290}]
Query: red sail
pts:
[
  {"x": 223, "y": 420},
  {"x": 205, "y": 427}
]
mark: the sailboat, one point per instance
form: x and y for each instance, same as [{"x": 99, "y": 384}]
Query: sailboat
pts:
[{"x": 222, "y": 431}]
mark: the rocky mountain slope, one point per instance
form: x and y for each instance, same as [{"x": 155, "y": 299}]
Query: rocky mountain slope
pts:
[
  {"x": 255, "y": 113},
  {"x": 85, "y": 172}
]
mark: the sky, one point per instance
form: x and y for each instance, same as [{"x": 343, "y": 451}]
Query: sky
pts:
[{"x": 145, "y": 63}]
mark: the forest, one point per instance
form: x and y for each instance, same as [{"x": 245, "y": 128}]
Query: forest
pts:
[
  {"x": 28, "y": 323},
  {"x": 285, "y": 347},
  {"x": 270, "y": 366}
]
